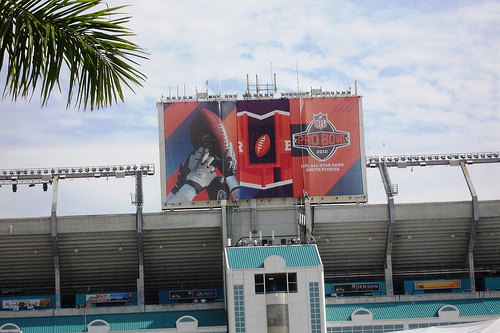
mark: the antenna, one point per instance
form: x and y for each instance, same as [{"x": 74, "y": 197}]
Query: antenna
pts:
[
  {"x": 218, "y": 73},
  {"x": 271, "y": 68},
  {"x": 260, "y": 90}
]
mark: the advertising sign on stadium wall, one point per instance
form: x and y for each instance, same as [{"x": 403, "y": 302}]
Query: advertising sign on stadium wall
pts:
[
  {"x": 26, "y": 304},
  {"x": 107, "y": 298},
  {"x": 440, "y": 284},
  {"x": 262, "y": 149}
]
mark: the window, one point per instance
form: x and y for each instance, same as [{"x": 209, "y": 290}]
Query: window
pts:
[
  {"x": 259, "y": 283},
  {"x": 275, "y": 283},
  {"x": 315, "y": 306},
  {"x": 239, "y": 309},
  {"x": 292, "y": 282}
]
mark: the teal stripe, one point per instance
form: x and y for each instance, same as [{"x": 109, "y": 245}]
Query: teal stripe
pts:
[
  {"x": 253, "y": 257},
  {"x": 407, "y": 310},
  {"x": 117, "y": 322}
]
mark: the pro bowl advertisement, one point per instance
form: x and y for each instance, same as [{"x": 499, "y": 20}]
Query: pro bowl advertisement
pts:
[{"x": 262, "y": 149}]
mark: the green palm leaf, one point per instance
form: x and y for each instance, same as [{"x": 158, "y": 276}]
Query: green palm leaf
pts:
[{"x": 40, "y": 38}]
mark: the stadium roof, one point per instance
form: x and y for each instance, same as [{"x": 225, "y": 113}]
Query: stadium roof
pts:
[{"x": 254, "y": 257}]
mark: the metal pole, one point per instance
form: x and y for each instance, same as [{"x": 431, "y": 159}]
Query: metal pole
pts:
[
  {"x": 473, "y": 228},
  {"x": 139, "y": 220},
  {"x": 253, "y": 215},
  {"x": 55, "y": 247},
  {"x": 307, "y": 211},
  {"x": 384, "y": 173},
  {"x": 224, "y": 223}
]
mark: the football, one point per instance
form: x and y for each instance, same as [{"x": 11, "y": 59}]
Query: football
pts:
[
  {"x": 262, "y": 145},
  {"x": 207, "y": 131}
]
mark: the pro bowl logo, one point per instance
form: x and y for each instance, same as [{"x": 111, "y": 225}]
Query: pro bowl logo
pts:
[{"x": 321, "y": 139}]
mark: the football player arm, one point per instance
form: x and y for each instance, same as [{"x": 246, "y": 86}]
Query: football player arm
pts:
[
  {"x": 229, "y": 170},
  {"x": 234, "y": 186}
]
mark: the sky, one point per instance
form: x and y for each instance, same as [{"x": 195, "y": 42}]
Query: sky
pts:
[{"x": 428, "y": 72}]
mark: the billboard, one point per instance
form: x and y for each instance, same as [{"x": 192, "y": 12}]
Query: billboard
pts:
[
  {"x": 262, "y": 149},
  {"x": 109, "y": 298},
  {"x": 26, "y": 304},
  {"x": 439, "y": 284}
]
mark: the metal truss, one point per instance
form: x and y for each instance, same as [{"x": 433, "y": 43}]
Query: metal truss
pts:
[
  {"x": 402, "y": 161},
  {"x": 47, "y": 175}
]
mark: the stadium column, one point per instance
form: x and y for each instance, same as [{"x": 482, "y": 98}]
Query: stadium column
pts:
[
  {"x": 389, "y": 191},
  {"x": 224, "y": 223},
  {"x": 55, "y": 246},
  {"x": 253, "y": 215},
  {"x": 473, "y": 228},
  {"x": 308, "y": 228},
  {"x": 140, "y": 247},
  {"x": 388, "y": 250}
]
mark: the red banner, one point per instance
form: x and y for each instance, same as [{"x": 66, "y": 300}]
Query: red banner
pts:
[{"x": 275, "y": 148}]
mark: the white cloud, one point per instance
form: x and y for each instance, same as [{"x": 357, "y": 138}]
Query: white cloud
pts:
[{"x": 428, "y": 73}]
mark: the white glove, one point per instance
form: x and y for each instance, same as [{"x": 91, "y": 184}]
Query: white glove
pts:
[
  {"x": 184, "y": 169},
  {"x": 202, "y": 172}
]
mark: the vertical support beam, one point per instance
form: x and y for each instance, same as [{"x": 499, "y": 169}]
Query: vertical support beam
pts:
[
  {"x": 384, "y": 173},
  {"x": 253, "y": 215},
  {"x": 389, "y": 285},
  {"x": 224, "y": 223},
  {"x": 230, "y": 221},
  {"x": 473, "y": 228},
  {"x": 139, "y": 202},
  {"x": 308, "y": 213},
  {"x": 55, "y": 246}
]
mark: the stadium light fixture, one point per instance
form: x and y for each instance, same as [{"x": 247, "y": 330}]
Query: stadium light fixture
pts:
[
  {"x": 433, "y": 159},
  {"x": 46, "y": 176}
]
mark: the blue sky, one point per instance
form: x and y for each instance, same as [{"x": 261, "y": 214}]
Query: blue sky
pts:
[{"x": 428, "y": 72}]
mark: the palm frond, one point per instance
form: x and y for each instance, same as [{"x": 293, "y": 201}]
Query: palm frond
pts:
[{"x": 40, "y": 38}]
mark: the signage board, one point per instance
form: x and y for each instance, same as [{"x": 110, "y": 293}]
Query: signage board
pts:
[
  {"x": 178, "y": 295},
  {"x": 262, "y": 149},
  {"x": 26, "y": 304},
  {"x": 356, "y": 287},
  {"x": 109, "y": 298},
  {"x": 439, "y": 284}
]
